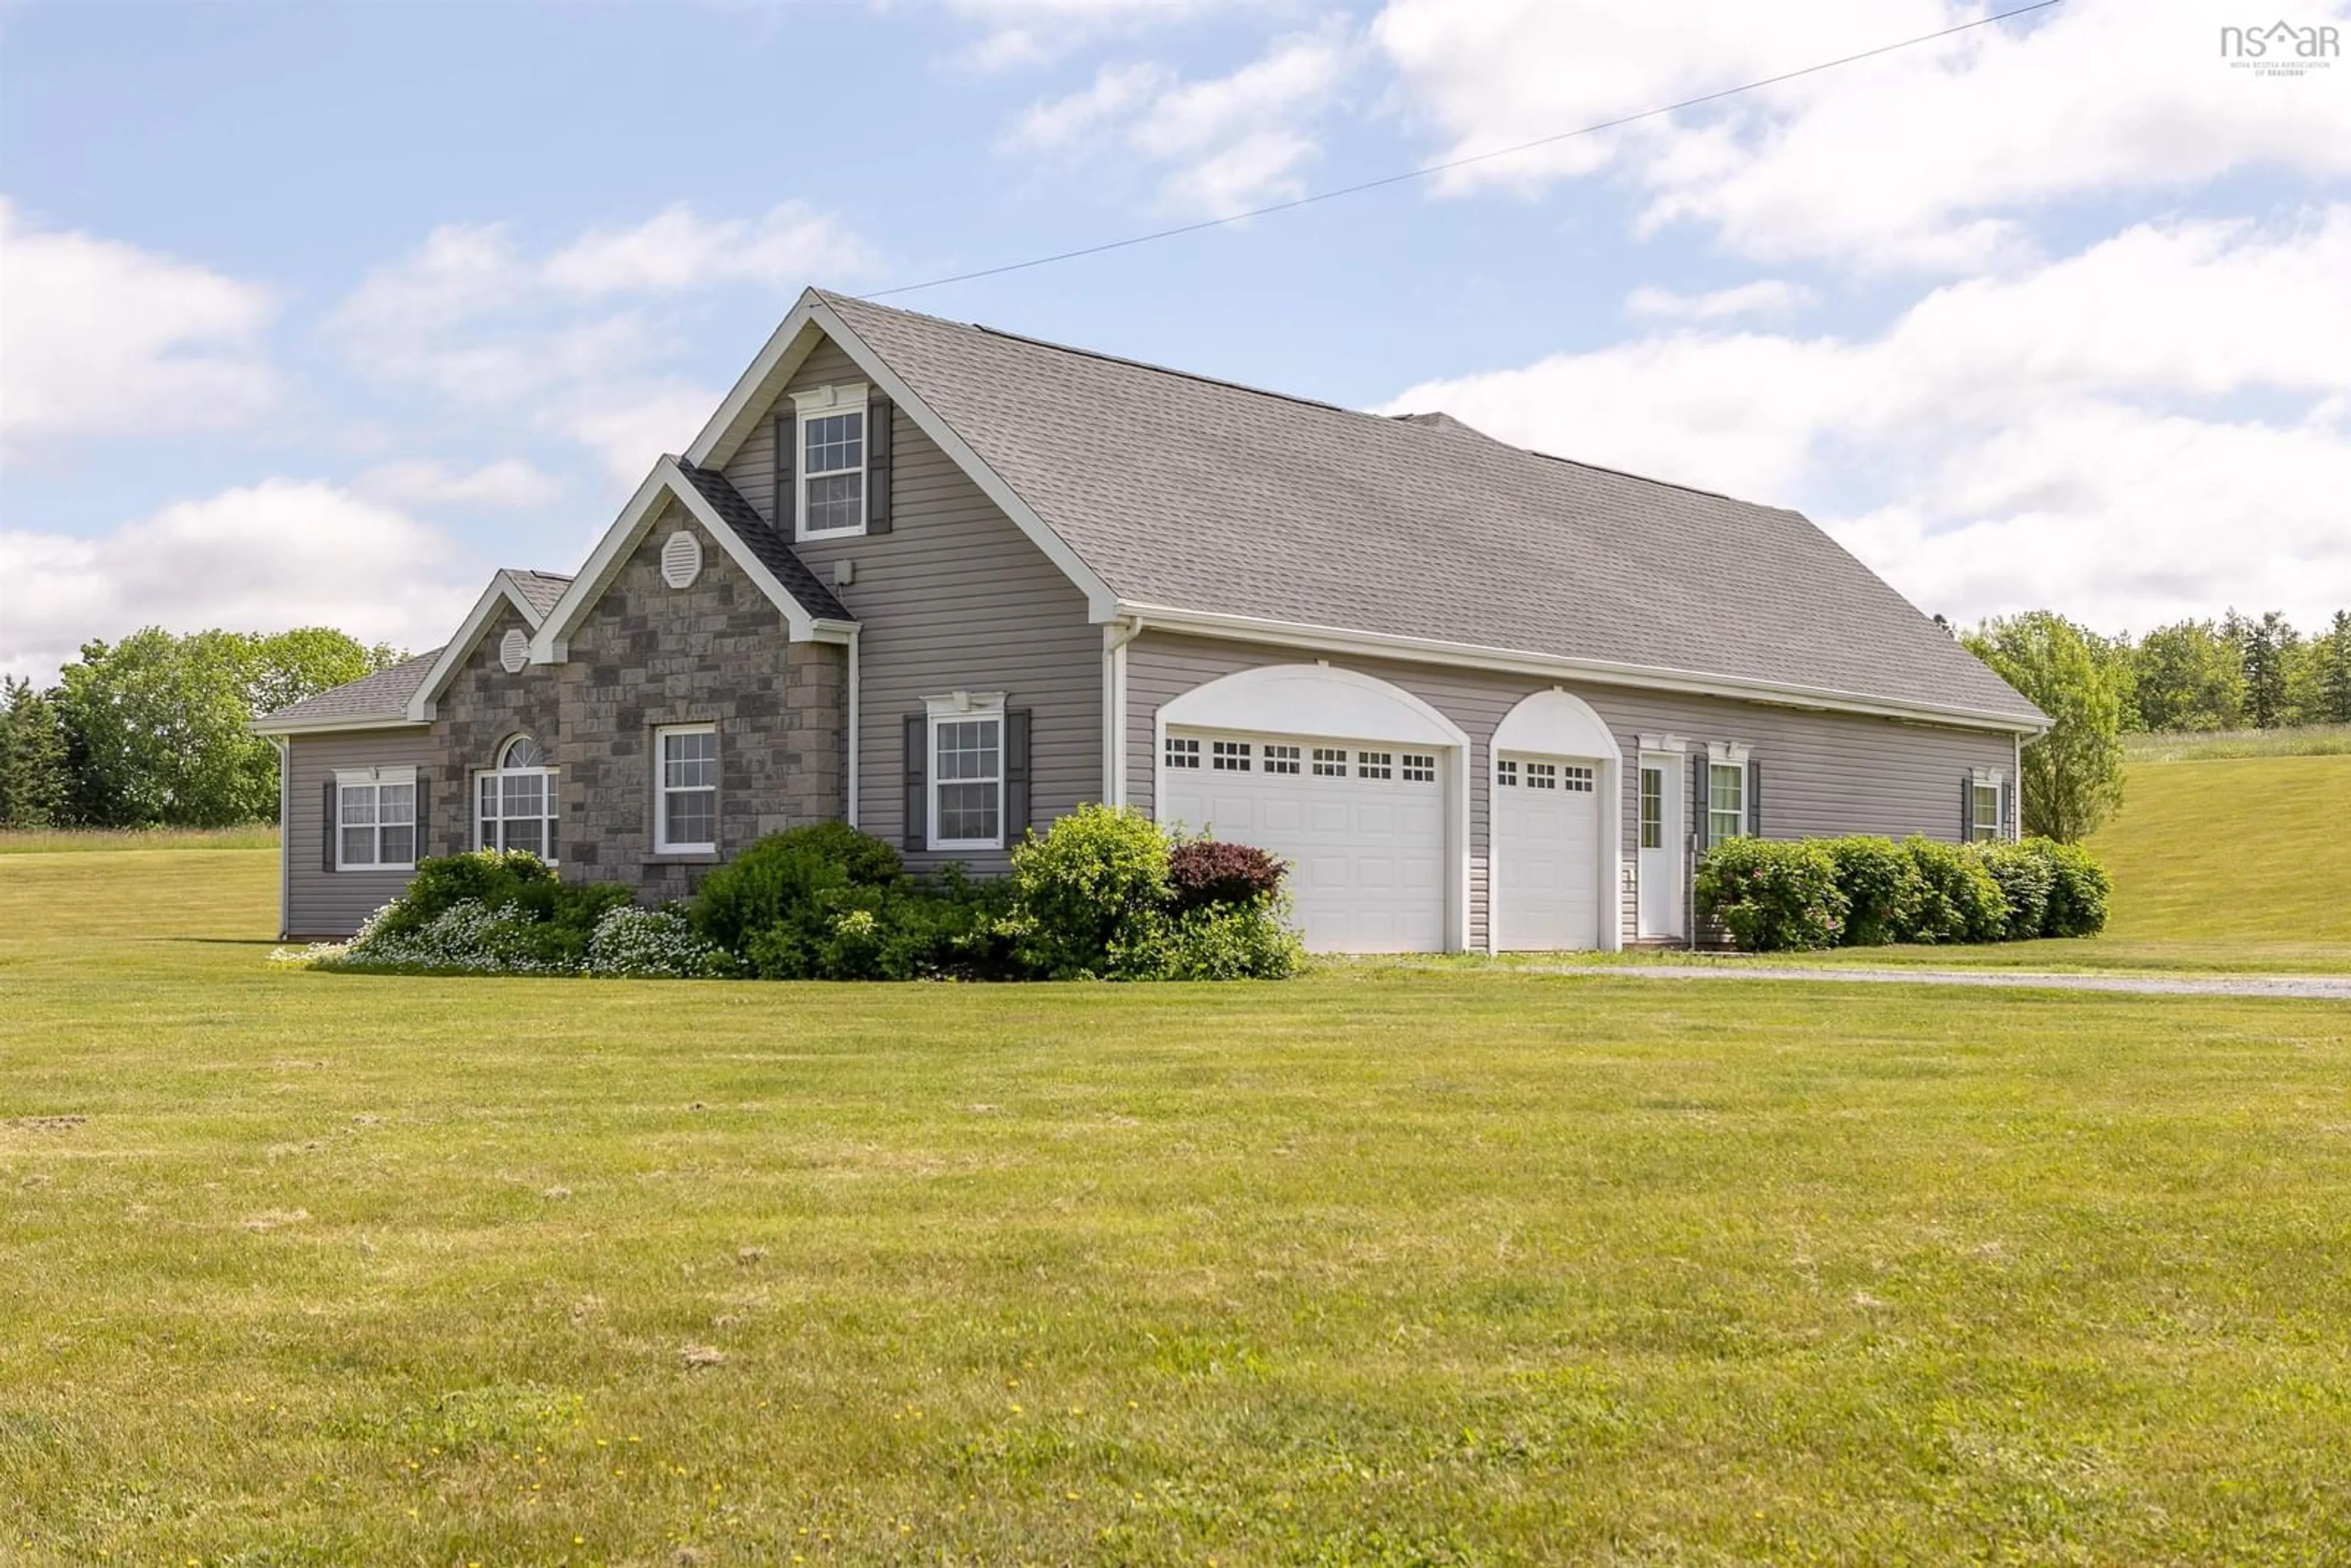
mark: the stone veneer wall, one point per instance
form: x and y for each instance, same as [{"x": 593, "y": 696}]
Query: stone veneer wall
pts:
[
  {"x": 473, "y": 717},
  {"x": 648, "y": 654}
]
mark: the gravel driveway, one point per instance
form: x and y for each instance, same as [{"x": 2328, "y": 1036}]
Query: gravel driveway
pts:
[{"x": 2317, "y": 987}]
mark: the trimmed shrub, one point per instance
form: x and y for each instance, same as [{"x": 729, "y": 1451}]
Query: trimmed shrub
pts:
[
  {"x": 1958, "y": 899},
  {"x": 785, "y": 879},
  {"x": 2078, "y": 889},
  {"x": 1881, "y": 887},
  {"x": 1203, "y": 871},
  {"x": 2025, "y": 875},
  {"x": 1233, "y": 941},
  {"x": 947, "y": 926},
  {"x": 629, "y": 943},
  {"x": 1772, "y": 896},
  {"x": 1093, "y": 896}
]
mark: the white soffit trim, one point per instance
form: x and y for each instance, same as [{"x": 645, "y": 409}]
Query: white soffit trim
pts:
[
  {"x": 667, "y": 481},
  {"x": 1435, "y": 650},
  {"x": 1555, "y": 723},
  {"x": 739, "y": 416},
  {"x": 501, "y": 591},
  {"x": 1312, "y": 699}
]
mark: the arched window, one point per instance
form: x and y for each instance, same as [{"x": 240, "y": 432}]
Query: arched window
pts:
[{"x": 515, "y": 801}]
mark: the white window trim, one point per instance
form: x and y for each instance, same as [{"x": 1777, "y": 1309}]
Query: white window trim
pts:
[
  {"x": 374, "y": 779},
  {"x": 951, "y": 709},
  {"x": 1739, "y": 762},
  {"x": 547, "y": 817},
  {"x": 1995, "y": 781},
  {"x": 822, "y": 402},
  {"x": 662, "y": 844}
]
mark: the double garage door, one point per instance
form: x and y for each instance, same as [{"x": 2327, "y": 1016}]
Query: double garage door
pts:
[{"x": 1363, "y": 823}]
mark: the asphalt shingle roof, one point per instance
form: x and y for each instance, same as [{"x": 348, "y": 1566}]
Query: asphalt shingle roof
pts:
[
  {"x": 541, "y": 587},
  {"x": 383, "y": 694},
  {"x": 1189, "y": 493},
  {"x": 766, "y": 543}
]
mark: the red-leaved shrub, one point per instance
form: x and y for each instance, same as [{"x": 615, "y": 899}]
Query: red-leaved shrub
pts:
[{"x": 1204, "y": 873}]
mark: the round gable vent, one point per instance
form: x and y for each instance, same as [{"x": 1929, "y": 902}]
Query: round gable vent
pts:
[
  {"x": 513, "y": 650},
  {"x": 681, "y": 559}
]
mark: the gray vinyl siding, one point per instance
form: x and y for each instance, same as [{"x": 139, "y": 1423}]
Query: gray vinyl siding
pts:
[
  {"x": 954, "y": 598},
  {"x": 1822, "y": 773},
  {"x": 321, "y": 902}
]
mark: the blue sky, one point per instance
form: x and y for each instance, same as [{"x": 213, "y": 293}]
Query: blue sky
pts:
[{"x": 319, "y": 313}]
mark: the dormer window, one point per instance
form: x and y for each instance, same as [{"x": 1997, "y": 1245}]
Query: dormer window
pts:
[{"x": 831, "y": 461}]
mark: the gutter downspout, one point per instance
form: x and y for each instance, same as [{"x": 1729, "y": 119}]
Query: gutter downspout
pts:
[
  {"x": 284, "y": 746},
  {"x": 1117, "y": 635}
]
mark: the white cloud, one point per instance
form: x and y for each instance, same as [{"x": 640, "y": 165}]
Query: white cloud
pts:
[
  {"x": 1023, "y": 33},
  {"x": 260, "y": 557},
  {"x": 426, "y": 482},
  {"x": 2072, "y": 437},
  {"x": 1223, "y": 143},
  {"x": 98, "y": 336},
  {"x": 1764, "y": 297},
  {"x": 584, "y": 338},
  {"x": 1919, "y": 158}
]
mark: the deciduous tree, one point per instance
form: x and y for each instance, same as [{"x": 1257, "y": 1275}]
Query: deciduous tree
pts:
[{"x": 2072, "y": 775}]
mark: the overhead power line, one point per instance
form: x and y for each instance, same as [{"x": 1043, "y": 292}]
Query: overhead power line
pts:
[{"x": 1428, "y": 169}]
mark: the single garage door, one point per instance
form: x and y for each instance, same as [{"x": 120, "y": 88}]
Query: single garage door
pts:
[
  {"x": 1546, "y": 853},
  {"x": 1361, "y": 822}
]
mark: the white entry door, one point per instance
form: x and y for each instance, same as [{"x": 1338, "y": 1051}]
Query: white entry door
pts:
[
  {"x": 1362, "y": 823},
  {"x": 1661, "y": 867},
  {"x": 1545, "y": 867}
]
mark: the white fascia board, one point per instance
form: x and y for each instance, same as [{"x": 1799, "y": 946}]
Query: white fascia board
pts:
[
  {"x": 333, "y": 725},
  {"x": 1434, "y": 651},
  {"x": 501, "y": 591},
  {"x": 667, "y": 481},
  {"x": 738, "y": 416}
]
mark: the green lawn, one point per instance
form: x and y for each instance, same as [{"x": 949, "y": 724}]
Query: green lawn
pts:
[{"x": 1373, "y": 1268}]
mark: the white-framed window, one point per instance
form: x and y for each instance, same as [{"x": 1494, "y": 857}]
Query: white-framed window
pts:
[
  {"x": 1183, "y": 752},
  {"x": 1726, "y": 801},
  {"x": 1375, "y": 764},
  {"x": 1573, "y": 777},
  {"x": 1986, "y": 822},
  {"x": 1329, "y": 762},
  {"x": 1228, "y": 756},
  {"x": 1505, "y": 772},
  {"x": 1543, "y": 775},
  {"x": 514, "y": 803},
  {"x": 1420, "y": 768},
  {"x": 967, "y": 775},
  {"x": 829, "y": 465},
  {"x": 375, "y": 819},
  {"x": 685, "y": 795},
  {"x": 1280, "y": 758}
]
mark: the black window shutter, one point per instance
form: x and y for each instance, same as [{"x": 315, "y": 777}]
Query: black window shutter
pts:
[
  {"x": 1015, "y": 773},
  {"x": 916, "y": 834},
  {"x": 1754, "y": 798},
  {"x": 2008, "y": 808},
  {"x": 422, "y": 794},
  {"x": 1967, "y": 808},
  {"x": 877, "y": 465},
  {"x": 333, "y": 830},
  {"x": 1701, "y": 820},
  {"x": 788, "y": 495}
]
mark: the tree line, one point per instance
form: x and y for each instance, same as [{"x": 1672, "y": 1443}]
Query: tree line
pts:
[
  {"x": 2237, "y": 672},
  {"x": 151, "y": 731}
]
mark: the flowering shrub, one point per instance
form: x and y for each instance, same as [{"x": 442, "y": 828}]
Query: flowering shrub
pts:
[
  {"x": 2025, "y": 876},
  {"x": 1772, "y": 896},
  {"x": 466, "y": 937},
  {"x": 637, "y": 944},
  {"x": 1958, "y": 899}
]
